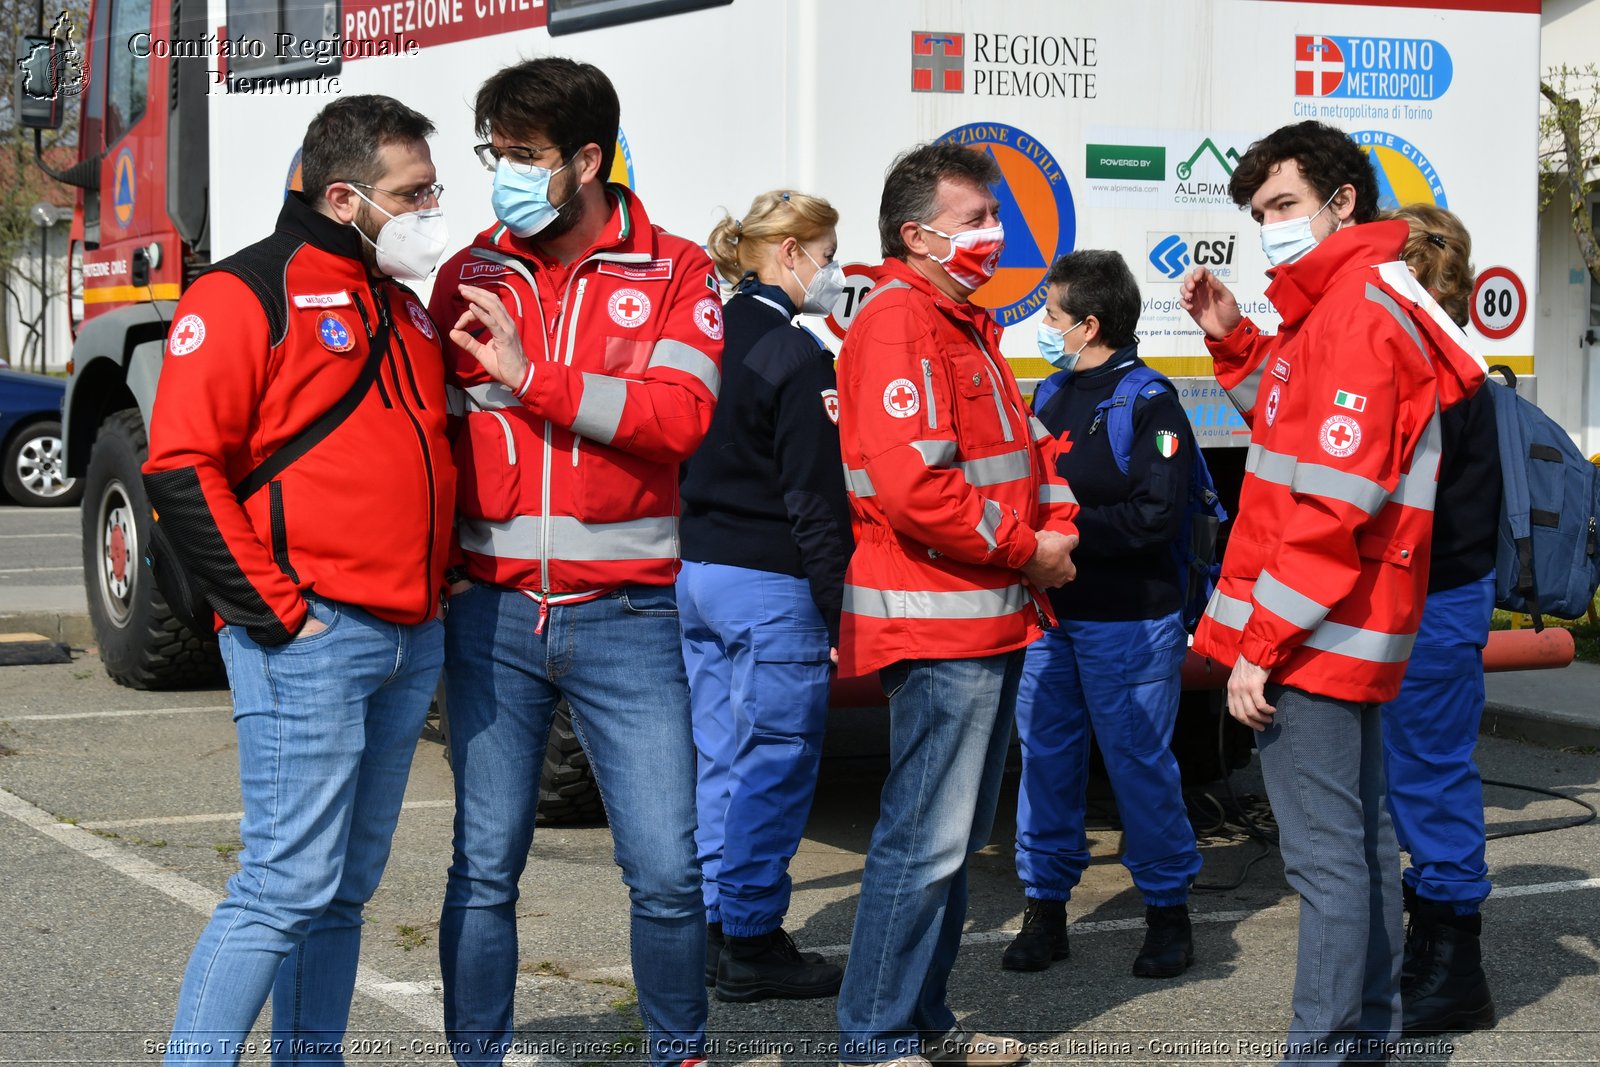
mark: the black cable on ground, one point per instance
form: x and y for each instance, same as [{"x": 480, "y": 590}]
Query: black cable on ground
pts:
[{"x": 1568, "y": 825}]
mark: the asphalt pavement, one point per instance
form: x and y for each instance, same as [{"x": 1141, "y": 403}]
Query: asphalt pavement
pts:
[{"x": 119, "y": 827}]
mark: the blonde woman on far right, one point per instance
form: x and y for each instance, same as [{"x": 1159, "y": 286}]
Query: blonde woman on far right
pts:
[{"x": 1431, "y": 728}]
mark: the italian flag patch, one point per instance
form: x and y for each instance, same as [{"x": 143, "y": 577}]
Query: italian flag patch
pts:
[
  {"x": 1166, "y": 443},
  {"x": 1353, "y": 401}
]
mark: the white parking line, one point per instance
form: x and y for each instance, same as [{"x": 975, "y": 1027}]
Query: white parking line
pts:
[
  {"x": 37, "y": 570},
  {"x": 221, "y": 816},
  {"x": 413, "y": 1000},
  {"x": 123, "y": 713},
  {"x": 37, "y": 537}
]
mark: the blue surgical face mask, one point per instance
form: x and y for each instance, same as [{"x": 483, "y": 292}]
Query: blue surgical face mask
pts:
[
  {"x": 522, "y": 201},
  {"x": 1053, "y": 346},
  {"x": 1286, "y": 241}
]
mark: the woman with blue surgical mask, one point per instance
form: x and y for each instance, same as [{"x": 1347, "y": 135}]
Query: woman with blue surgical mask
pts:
[
  {"x": 1109, "y": 668},
  {"x": 765, "y": 533}
]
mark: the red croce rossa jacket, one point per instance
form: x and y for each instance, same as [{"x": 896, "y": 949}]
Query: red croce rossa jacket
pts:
[
  {"x": 1327, "y": 565},
  {"x": 949, "y": 478},
  {"x": 571, "y": 487},
  {"x": 364, "y": 516}
]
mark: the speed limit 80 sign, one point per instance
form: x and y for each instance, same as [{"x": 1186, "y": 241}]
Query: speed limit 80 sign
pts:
[{"x": 1499, "y": 303}]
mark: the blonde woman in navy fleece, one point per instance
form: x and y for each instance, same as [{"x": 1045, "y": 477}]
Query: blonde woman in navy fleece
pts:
[{"x": 766, "y": 536}]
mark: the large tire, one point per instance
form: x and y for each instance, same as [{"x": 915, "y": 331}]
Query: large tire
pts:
[
  {"x": 34, "y": 472},
  {"x": 568, "y": 795},
  {"x": 141, "y": 644}
]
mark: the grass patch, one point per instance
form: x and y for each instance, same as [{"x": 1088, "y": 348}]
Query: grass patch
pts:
[
  {"x": 409, "y": 937},
  {"x": 1585, "y": 634},
  {"x": 226, "y": 850},
  {"x": 148, "y": 842},
  {"x": 83, "y": 676},
  {"x": 549, "y": 968}
]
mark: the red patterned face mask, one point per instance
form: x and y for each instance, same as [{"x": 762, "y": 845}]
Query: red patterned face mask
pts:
[{"x": 974, "y": 254}]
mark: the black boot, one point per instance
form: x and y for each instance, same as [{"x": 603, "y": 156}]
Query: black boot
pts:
[
  {"x": 1168, "y": 943},
  {"x": 1042, "y": 939},
  {"x": 756, "y": 968},
  {"x": 1448, "y": 990},
  {"x": 1414, "y": 938},
  {"x": 713, "y": 952}
]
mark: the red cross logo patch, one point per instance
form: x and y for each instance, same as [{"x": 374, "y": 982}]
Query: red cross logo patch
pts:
[
  {"x": 1341, "y": 435},
  {"x": 1272, "y": 403},
  {"x": 900, "y": 398},
  {"x": 830, "y": 404},
  {"x": 419, "y": 319},
  {"x": 708, "y": 316},
  {"x": 629, "y": 307},
  {"x": 187, "y": 335}
]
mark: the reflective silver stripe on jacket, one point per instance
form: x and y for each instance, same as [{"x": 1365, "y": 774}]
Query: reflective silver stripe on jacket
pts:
[
  {"x": 1373, "y": 646},
  {"x": 1037, "y": 428},
  {"x": 1056, "y": 493},
  {"x": 571, "y": 539},
  {"x": 1243, "y": 395},
  {"x": 878, "y": 290},
  {"x": 1416, "y": 489},
  {"x": 1389, "y": 304},
  {"x": 487, "y": 396},
  {"x": 989, "y": 525},
  {"x": 928, "y": 604},
  {"x": 1287, "y": 603},
  {"x": 690, "y": 360},
  {"x": 600, "y": 407},
  {"x": 990, "y": 470},
  {"x": 858, "y": 481}
]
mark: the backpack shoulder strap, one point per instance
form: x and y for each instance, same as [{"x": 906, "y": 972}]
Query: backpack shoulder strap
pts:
[{"x": 1117, "y": 410}]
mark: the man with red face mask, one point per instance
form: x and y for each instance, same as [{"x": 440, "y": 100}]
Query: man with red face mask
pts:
[{"x": 961, "y": 520}]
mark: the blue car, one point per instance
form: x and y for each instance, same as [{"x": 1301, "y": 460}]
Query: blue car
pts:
[{"x": 34, "y": 471}]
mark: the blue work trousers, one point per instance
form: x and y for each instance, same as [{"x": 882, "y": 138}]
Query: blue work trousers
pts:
[
  {"x": 756, "y": 651},
  {"x": 1119, "y": 679},
  {"x": 1429, "y": 734}
]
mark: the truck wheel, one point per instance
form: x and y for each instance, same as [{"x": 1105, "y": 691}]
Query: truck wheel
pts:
[
  {"x": 568, "y": 795},
  {"x": 141, "y": 644}
]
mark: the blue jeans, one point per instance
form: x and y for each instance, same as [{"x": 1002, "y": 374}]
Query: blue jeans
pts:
[
  {"x": 1430, "y": 732},
  {"x": 1322, "y": 760},
  {"x": 756, "y": 650},
  {"x": 618, "y": 661},
  {"x": 327, "y": 727},
  {"x": 949, "y": 728},
  {"x": 1119, "y": 679}
]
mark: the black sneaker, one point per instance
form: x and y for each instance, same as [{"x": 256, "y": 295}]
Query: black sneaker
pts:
[
  {"x": 770, "y": 966},
  {"x": 1168, "y": 943},
  {"x": 1042, "y": 940}
]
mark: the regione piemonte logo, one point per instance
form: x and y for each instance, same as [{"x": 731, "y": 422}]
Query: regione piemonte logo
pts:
[{"x": 938, "y": 62}]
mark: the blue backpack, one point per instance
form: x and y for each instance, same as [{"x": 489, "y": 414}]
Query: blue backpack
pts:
[
  {"x": 1547, "y": 557},
  {"x": 1194, "y": 553}
]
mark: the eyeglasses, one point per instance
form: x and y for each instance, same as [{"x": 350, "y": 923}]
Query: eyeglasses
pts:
[
  {"x": 416, "y": 199},
  {"x": 519, "y": 157}
]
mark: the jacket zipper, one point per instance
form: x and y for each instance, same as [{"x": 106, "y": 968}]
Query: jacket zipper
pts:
[
  {"x": 280, "y": 531},
  {"x": 428, "y": 595},
  {"x": 994, "y": 383},
  {"x": 927, "y": 387}
]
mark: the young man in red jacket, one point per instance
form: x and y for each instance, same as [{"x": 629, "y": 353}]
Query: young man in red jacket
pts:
[
  {"x": 585, "y": 344},
  {"x": 1327, "y": 565},
  {"x": 326, "y": 580},
  {"x": 961, "y": 521}
]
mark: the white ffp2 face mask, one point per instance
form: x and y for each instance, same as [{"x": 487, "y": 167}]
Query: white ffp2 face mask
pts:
[
  {"x": 409, "y": 245},
  {"x": 820, "y": 295}
]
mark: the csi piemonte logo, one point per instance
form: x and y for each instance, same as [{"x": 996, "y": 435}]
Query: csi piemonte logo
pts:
[
  {"x": 53, "y": 68},
  {"x": 938, "y": 62},
  {"x": 1170, "y": 253},
  {"x": 1370, "y": 68},
  {"x": 1036, "y": 209}
]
